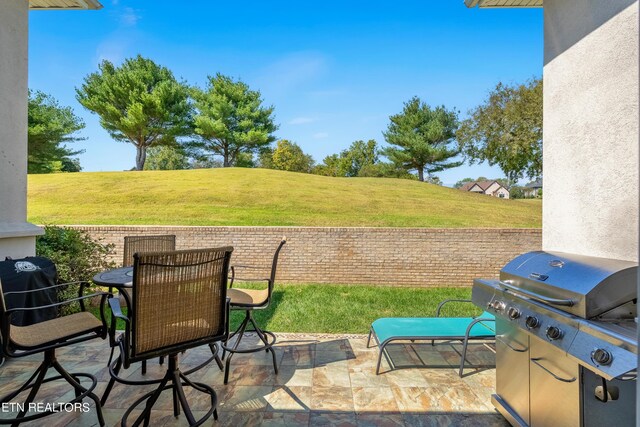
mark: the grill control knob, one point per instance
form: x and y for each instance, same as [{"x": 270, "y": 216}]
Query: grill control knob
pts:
[
  {"x": 498, "y": 305},
  {"x": 601, "y": 356},
  {"x": 513, "y": 313},
  {"x": 532, "y": 322},
  {"x": 554, "y": 333}
]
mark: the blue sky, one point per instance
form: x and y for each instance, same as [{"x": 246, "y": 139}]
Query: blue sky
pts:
[{"x": 335, "y": 70}]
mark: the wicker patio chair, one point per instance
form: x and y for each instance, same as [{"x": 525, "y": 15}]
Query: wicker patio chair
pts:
[
  {"x": 45, "y": 337},
  {"x": 155, "y": 243},
  {"x": 249, "y": 300},
  {"x": 148, "y": 243},
  {"x": 180, "y": 302}
]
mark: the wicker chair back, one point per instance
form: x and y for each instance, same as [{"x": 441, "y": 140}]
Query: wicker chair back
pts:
[
  {"x": 156, "y": 243},
  {"x": 179, "y": 297}
]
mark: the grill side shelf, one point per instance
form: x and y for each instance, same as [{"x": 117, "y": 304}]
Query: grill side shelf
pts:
[{"x": 588, "y": 349}]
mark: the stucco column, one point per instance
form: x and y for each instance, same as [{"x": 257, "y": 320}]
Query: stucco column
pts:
[
  {"x": 17, "y": 237},
  {"x": 590, "y": 197}
]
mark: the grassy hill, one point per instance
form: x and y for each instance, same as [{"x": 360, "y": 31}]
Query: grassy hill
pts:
[{"x": 263, "y": 197}]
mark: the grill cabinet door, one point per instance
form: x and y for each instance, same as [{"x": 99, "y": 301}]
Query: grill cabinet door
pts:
[
  {"x": 555, "y": 387},
  {"x": 512, "y": 367}
]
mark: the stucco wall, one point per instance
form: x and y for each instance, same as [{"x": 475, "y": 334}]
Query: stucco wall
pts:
[
  {"x": 591, "y": 127},
  {"x": 16, "y": 235},
  {"x": 384, "y": 256}
]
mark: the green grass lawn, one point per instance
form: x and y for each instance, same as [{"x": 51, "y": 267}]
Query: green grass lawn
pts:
[
  {"x": 262, "y": 197},
  {"x": 534, "y": 202},
  {"x": 322, "y": 308}
]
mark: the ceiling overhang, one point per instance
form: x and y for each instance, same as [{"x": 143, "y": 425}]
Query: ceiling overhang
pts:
[
  {"x": 503, "y": 3},
  {"x": 64, "y": 4}
]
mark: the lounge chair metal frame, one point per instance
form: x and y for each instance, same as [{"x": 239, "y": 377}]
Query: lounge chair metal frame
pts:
[{"x": 463, "y": 338}]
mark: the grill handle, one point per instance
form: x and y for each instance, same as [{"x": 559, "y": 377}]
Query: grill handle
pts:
[
  {"x": 564, "y": 380},
  {"x": 538, "y": 297},
  {"x": 517, "y": 350}
]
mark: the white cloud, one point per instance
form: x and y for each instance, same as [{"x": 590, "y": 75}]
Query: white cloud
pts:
[
  {"x": 301, "y": 120},
  {"x": 117, "y": 46},
  {"x": 129, "y": 17},
  {"x": 292, "y": 71},
  {"x": 320, "y": 135},
  {"x": 112, "y": 50}
]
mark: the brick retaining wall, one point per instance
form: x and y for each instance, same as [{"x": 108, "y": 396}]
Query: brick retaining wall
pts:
[{"x": 423, "y": 257}]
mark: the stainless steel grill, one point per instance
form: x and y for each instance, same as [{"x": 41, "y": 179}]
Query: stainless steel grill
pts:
[{"x": 566, "y": 346}]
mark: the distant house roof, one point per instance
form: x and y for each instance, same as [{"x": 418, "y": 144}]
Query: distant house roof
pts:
[
  {"x": 64, "y": 4},
  {"x": 467, "y": 185},
  {"x": 503, "y": 3},
  {"x": 535, "y": 184},
  {"x": 483, "y": 185}
]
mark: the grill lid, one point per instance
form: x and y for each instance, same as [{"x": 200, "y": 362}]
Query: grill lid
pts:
[{"x": 585, "y": 286}]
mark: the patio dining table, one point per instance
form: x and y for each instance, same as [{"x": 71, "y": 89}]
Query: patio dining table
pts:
[{"x": 119, "y": 278}]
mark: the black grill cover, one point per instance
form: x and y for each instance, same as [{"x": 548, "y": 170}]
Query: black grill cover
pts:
[{"x": 28, "y": 274}]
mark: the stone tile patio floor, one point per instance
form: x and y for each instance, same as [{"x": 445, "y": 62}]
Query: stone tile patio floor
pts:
[{"x": 323, "y": 380}]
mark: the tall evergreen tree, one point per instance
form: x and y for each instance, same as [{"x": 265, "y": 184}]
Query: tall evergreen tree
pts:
[
  {"x": 421, "y": 138},
  {"x": 140, "y": 103},
  {"x": 230, "y": 119},
  {"x": 50, "y": 127}
]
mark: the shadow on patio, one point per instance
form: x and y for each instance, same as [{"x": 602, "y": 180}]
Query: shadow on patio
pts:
[{"x": 323, "y": 380}]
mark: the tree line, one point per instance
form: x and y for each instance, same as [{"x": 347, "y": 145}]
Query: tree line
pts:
[{"x": 177, "y": 126}]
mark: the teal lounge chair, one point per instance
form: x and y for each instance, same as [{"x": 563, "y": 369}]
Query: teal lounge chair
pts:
[{"x": 388, "y": 329}]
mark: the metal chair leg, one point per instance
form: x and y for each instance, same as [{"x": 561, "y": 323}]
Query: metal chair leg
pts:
[
  {"x": 75, "y": 382},
  {"x": 24, "y": 386},
  {"x": 275, "y": 363},
  {"x": 259, "y": 333},
  {"x": 39, "y": 377},
  {"x": 239, "y": 333},
  {"x": 151, "y": 398},
  {"x": 175, "y": 380},
  {"x": 33, "y": 392},
  {"x": 214, "y": 350},
  {"x": 176, "y": 403},
  {"x": 204, "y": 389},
  {"x": 114, "y": 370},
  {"x": 379, "y": 359},
  {"x": 463, "y": 358},
  {"x": 78, "y": 391},
  {"x": 263, "y": 337},
  {"x": 179, "y": 393}
]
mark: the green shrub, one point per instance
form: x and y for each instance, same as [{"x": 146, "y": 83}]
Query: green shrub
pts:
[{"x": 76, "y": 255}]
